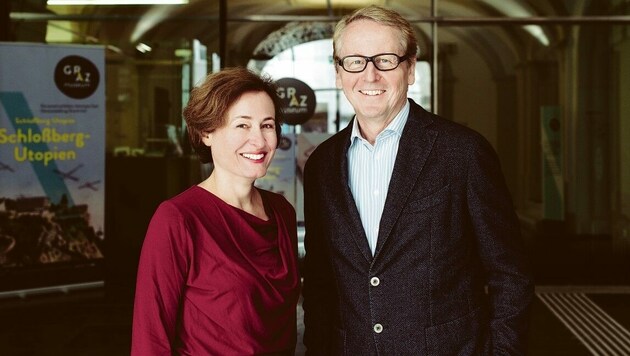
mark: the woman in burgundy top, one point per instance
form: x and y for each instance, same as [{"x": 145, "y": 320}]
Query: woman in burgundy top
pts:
[{"x": 218, "y": 269}]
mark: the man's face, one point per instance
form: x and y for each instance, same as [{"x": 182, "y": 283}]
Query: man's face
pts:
[{"x": 375, "y": 95}]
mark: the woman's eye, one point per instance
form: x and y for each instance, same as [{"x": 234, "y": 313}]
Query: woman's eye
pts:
[
  {"x": 241, "y": 126},
  {"x": 269, "y": 126}
]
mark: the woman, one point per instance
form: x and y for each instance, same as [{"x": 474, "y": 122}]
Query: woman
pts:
[{"x": 218, "y": 269}]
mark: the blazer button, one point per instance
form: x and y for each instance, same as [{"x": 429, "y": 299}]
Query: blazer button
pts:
[
  {"x": 375, "y": 281},
  {"x": 378, "y": 328}
]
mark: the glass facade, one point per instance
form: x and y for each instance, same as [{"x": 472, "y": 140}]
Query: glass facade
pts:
[{"x": 498, "y": 66}]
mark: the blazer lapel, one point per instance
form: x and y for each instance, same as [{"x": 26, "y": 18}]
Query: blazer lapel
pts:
[{"x": 415, "y": 146}]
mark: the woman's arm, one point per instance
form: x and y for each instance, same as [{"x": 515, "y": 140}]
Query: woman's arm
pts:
[{"x": 162, "y": 272}]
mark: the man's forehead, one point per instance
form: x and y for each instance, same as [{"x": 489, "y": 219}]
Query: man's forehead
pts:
[{"x": 368, "y": 39}]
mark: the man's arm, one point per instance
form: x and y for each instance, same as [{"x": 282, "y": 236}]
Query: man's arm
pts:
[
  {"x": 319, "y": 291},
  {"x": 497, "y": 230}
]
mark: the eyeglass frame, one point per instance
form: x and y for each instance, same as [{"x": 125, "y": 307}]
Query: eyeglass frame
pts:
[{"x": 369, "y": 59}]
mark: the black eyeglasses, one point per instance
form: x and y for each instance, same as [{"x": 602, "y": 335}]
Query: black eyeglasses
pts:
[{"x": 382, "y": 62}]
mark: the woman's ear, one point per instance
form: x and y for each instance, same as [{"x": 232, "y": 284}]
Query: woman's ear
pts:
[{"x": 207, "y": 138}]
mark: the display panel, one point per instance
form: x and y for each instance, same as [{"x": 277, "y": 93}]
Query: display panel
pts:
[{"x": 52, "y": 159}]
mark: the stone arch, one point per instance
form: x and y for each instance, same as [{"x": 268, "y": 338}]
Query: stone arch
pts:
[{"x": 290, "y": 35}]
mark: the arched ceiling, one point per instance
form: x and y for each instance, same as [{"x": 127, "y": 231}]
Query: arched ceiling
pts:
[{"x": 250, "y": 22}]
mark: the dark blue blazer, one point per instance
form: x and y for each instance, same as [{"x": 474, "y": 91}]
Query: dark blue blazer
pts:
[{"x": 449, "y": 275}]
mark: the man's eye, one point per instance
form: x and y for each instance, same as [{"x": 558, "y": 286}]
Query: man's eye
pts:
[{"x": 385, "y": 60}]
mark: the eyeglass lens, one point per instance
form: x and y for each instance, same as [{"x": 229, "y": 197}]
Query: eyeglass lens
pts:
[{"x": 382, "y": 62}]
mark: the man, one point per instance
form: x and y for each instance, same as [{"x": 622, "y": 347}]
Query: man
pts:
[{"x": 412, "y": 243}]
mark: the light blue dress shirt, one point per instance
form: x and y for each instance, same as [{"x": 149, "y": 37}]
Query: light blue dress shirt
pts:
[{"x": 370, "y": 170}]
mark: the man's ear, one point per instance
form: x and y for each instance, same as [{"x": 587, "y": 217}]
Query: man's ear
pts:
[
  {"x": 411, "y": 72},
  {"x": 338, "y": 79}
]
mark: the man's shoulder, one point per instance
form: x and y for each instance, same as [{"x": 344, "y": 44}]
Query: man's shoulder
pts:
[
  {"x": 332, "y": 145},
  {"x": 446, "y": 128}
]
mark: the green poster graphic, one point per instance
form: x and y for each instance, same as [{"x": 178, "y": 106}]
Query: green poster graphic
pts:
[{"x": 552, "y": 174}]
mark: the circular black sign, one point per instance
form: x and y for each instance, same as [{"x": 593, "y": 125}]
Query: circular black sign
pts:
[
  {"x": 284, "y": 143},
  {"x": 76, "y": 77},
  {"x": 298, "y": 100}
]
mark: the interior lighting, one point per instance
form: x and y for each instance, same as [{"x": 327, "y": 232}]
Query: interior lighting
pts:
[
  {"x": 143, "y": 48},
  {"x": 512, "y": 8},
  {"x": 359, "y": 3},
  {"x": 117, "y": 2}
]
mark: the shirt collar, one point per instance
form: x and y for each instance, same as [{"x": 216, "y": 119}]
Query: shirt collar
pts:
[{"x": 396, "y": 126}]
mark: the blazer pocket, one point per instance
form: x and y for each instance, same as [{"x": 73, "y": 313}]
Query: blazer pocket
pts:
[
  {"x": 464, "y": 336},
  {"x": 430, "y": 200}
]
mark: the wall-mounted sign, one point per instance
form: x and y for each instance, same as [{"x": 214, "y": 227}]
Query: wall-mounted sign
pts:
[{"x": 298, "y": 99}]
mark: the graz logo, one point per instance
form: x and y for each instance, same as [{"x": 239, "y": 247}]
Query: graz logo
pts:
[
  {"x": 298, "y": 100},
  {"x": 76, "y": 77}
]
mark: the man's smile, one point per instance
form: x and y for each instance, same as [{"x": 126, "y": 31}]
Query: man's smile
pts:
[{"x": 372, "y": 92}]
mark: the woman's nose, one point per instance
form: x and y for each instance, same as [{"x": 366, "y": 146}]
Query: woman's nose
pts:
[{"x": 256, "y": 137}]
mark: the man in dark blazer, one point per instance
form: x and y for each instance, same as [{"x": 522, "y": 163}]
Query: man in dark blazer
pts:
[{"x": 412, "y": 243}]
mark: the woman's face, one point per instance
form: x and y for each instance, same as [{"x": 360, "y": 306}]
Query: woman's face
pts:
[{"x": 242, "y": 149}]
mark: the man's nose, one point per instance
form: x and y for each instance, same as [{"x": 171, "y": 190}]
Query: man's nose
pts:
[{"x": 371, "y": 72}]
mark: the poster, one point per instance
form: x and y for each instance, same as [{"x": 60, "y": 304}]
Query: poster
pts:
[
  {"x": 306, "y": 142},
  {"x": 52, "y": 156},
  {"x": 280, "y": 177}
]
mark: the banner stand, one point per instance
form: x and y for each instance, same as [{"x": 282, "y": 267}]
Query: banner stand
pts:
[
  {"x": 52, "y": 167},
  {"x": 65, "y": 289}
]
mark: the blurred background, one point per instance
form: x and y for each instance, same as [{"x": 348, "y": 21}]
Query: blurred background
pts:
[{"x": 547, "y": 82}]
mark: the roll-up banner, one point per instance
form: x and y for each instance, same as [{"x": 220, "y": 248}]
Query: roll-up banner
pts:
[{"x": 52, "y": 164}]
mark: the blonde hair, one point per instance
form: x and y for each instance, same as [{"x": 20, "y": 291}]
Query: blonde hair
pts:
[{"x": 383, "y": 16}]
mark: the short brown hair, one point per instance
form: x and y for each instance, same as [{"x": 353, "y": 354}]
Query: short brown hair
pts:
[
  {"x": 209, "y": 103},
  {"x": 383, "y": 16}
]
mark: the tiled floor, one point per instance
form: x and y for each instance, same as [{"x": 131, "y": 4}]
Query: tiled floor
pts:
[
  {"x": 573, "y": 273},
  {"x": 581, "y": 321}
]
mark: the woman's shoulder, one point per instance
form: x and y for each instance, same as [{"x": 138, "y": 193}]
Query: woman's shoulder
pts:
[
  {"x": 192, "y": 192},
  {"x": 185, "y": 201}
]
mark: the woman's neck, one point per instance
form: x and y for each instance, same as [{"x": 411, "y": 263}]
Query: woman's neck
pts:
[{"x": 242, "y": 196}]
